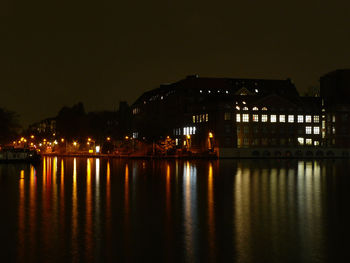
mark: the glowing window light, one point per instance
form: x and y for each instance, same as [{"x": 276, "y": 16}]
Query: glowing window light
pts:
[
  {"x": 273, "y": 118},
  {"x": 97, "y": 149},
  {"x": 316, "y": 130},
  {"x": 255, "y": 117},
  {"x": 255, "y": 108},
  {"x": 245, "y": 108},
  {"x": 316, "y": 143},
  {"x": 245, "y": 117},
  {"x": 238, "y": 108},
  {"x": 300, "y": 118},
  {"x": 316, "y": 119},
  {"x": 308, "y": 141},
  {"x": 264, "y": 118},
  {"x": 290, "y": 118},
  {"x": 301, "y": 140},
  {"x": 194, "y": 119},
  {"x": 238, "y": 117},
  {"x": 282, "y": 118},
  {"x": 308, "y": 130},
  {"x": 308, "y": 119},
  {"x": 264, "y": 108}
]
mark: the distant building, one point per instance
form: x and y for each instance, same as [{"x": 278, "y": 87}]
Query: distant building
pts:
[
  {"x": 223, "y": 114},
  {"x": 335, "y": 92},
  {"x": 46, "y": 127}
]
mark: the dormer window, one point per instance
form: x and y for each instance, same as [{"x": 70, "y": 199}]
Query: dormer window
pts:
[
  {"x": 245, "y": 108},
  {"x": 255, "y": 108},
  {"x": 264, "y": 108}
]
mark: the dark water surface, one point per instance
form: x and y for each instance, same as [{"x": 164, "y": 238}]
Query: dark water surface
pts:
[{"x": 95, "y": 210}]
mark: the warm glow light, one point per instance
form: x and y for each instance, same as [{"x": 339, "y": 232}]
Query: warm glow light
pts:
[
  {"x": 44, "y": 140},
  {"x": 32, "y": 136},
  {"x": 210, "y": 135},
  {"x": 88, "y": 143},
  {"x": 126, "y": 137},
  {"x": 55, "y": 142},
  {"x": 98, "y": 149},
  {"x": 22, "y": 139},
  {"x": 108, "y": 138},
  {"x": 75, "y": 143},
  {"x": 89, "y": 139},
  {"x": 188, "y": 136},
  {"x": 91, "y": 151},
  {"x": 40, "y": 144}
]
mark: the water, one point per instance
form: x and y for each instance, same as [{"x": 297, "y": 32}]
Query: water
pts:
[{"x": 95, "y": 210}]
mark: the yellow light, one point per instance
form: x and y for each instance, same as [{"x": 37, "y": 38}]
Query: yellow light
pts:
[
  {"x": 75, "y": 143},
  {"x": 25, "y": 140},
  {"x": 89, "y": 139},
  {"x": 55, "y": 142},
  {"x": 31, "y": 144},
  {"x": 167, "y": 137},
  {"x": 32, "y": 136},
  {"x": 88, "y": 143},
  {"x": 19, "y": 141},
  {"x": 109, "y": 138},
  {"x": 54, "y": 134},
  {"x": 40, "y": 144},
  {"x": 188, "y": 136},
  {"x": 44, "y": 140},
  {"x": 210, "y": 135},
  {"x": 91, "y": 151},
  {"x": 62, "y": 140},
  {"x": 22, "y": 139},
  {"x": 126, "y": 137},
  {"x": 14, "y": 142}
]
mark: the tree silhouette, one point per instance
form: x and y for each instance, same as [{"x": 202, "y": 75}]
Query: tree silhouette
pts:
[{"x": 9, "y": 125}]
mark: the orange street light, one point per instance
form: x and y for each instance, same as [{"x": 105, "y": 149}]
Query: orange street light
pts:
[{"x": 108, "y": 138}]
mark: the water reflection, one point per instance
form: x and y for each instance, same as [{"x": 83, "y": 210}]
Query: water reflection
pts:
[{"x": 193, "y": 211}]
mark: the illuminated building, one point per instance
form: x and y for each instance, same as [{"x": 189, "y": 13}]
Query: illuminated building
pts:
[{"x": 223, "y": 114}]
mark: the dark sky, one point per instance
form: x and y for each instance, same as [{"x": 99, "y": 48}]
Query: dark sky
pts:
[{"x": 55, "y": 53}]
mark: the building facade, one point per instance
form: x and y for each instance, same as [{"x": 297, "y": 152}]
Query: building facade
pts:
[{"x": 223, "y": 114}]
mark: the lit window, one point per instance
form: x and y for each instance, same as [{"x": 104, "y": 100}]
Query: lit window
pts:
[
  {"x": 255, "y": 117},
  {"x": 245, "y": 108},
  {"x": 333, "y": 130},
  {"x": 316, "y": 119},
  {"x": 308, "y": 141},
  {"x": 301, "y": 141},
  {"x": 264, "y": 118},
  {"x": 333, "y": 118},
  {"x": 200, "y": 91},
  {"x": 190, "y": 130},
  {"x": 316, "y": 143},
  {"x": 256, "y": 90},
  {"x": 238, "y": 108},
  {"x": 282, "y": 118},
  {"x": 206, "y": 117},
  {"x": 194, "y": 130},
  {"x": 243, "y": 102},
  {"x": 226, "y": 91},
  {"x": 273, "y": 118},
  {"x": 316, "y": 130},
  {"x": 264, "y": 108},
  {"x": 245, "y": 117},
  {"x": 290, "y": 118},
  {"x": 255, "y": 108},
  {"x": 194, "y": 118},
  {"x": 227, "y": 116},
  {"x": 300, "y": 118},
  {"x": 308, "y": 129},
  {"x": 238, "y": 117},
  {"x": 308, "y": 119}
]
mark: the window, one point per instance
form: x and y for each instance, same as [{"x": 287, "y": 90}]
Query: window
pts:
[
  {"x": 206, "y": 117},
  {"x": 255, "y": 108},
  {"x": 264, "y": 118},
  {"x": 316, "y": 143},
  {"x": 238, "y": 117},
  {"x": 246, "y": 141},
  {"x": 238, "y": 108},
  {"x": 300, "y": 141},
  {"x": 308, "y": 119},
  {"x": 290, "y": 118},
  {"x": 282, "y": 118},
  {"x": 273, "y": 118},
  {"x": 246, "y": 129},
  {"x": 255, "y": 117},
  {"x": 308, "y": 141},
  {"x": 316, "y": 119},
  {"x": 300, "y": 118},
  {"x": 245, "y": 108},
  {"x": 194, "y": 118},
  {"x": 227, "y": 116},
  {"x": 316, "y": 130},
  {"x": 245, "y": 117},
  {"x": 308, "y": 130},
  {"x": 333, "y": 130},
  {"x": 264, "y": 108},
  {"x": 333, "y": 118}
]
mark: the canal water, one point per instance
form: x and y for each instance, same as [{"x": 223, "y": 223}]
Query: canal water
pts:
[{"x": 99, "y": 210}]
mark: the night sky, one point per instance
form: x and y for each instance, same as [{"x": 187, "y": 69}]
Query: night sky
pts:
[{"x": 55, "y": 53}]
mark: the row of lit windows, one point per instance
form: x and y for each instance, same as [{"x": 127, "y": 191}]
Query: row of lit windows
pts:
[
  {"x": 273, "y": 141},
  {"x": 308, "y": 130},
  {"x": 189, "y": 130},
  {"x": 275, "y": 118},
  {"x": 246, "y": 108},
  {"x": 135, "y": 111},
  {"x": 200, "y": 118}
]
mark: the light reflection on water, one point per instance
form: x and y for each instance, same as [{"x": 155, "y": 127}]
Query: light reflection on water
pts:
[{"x": 91, "y": 210}]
